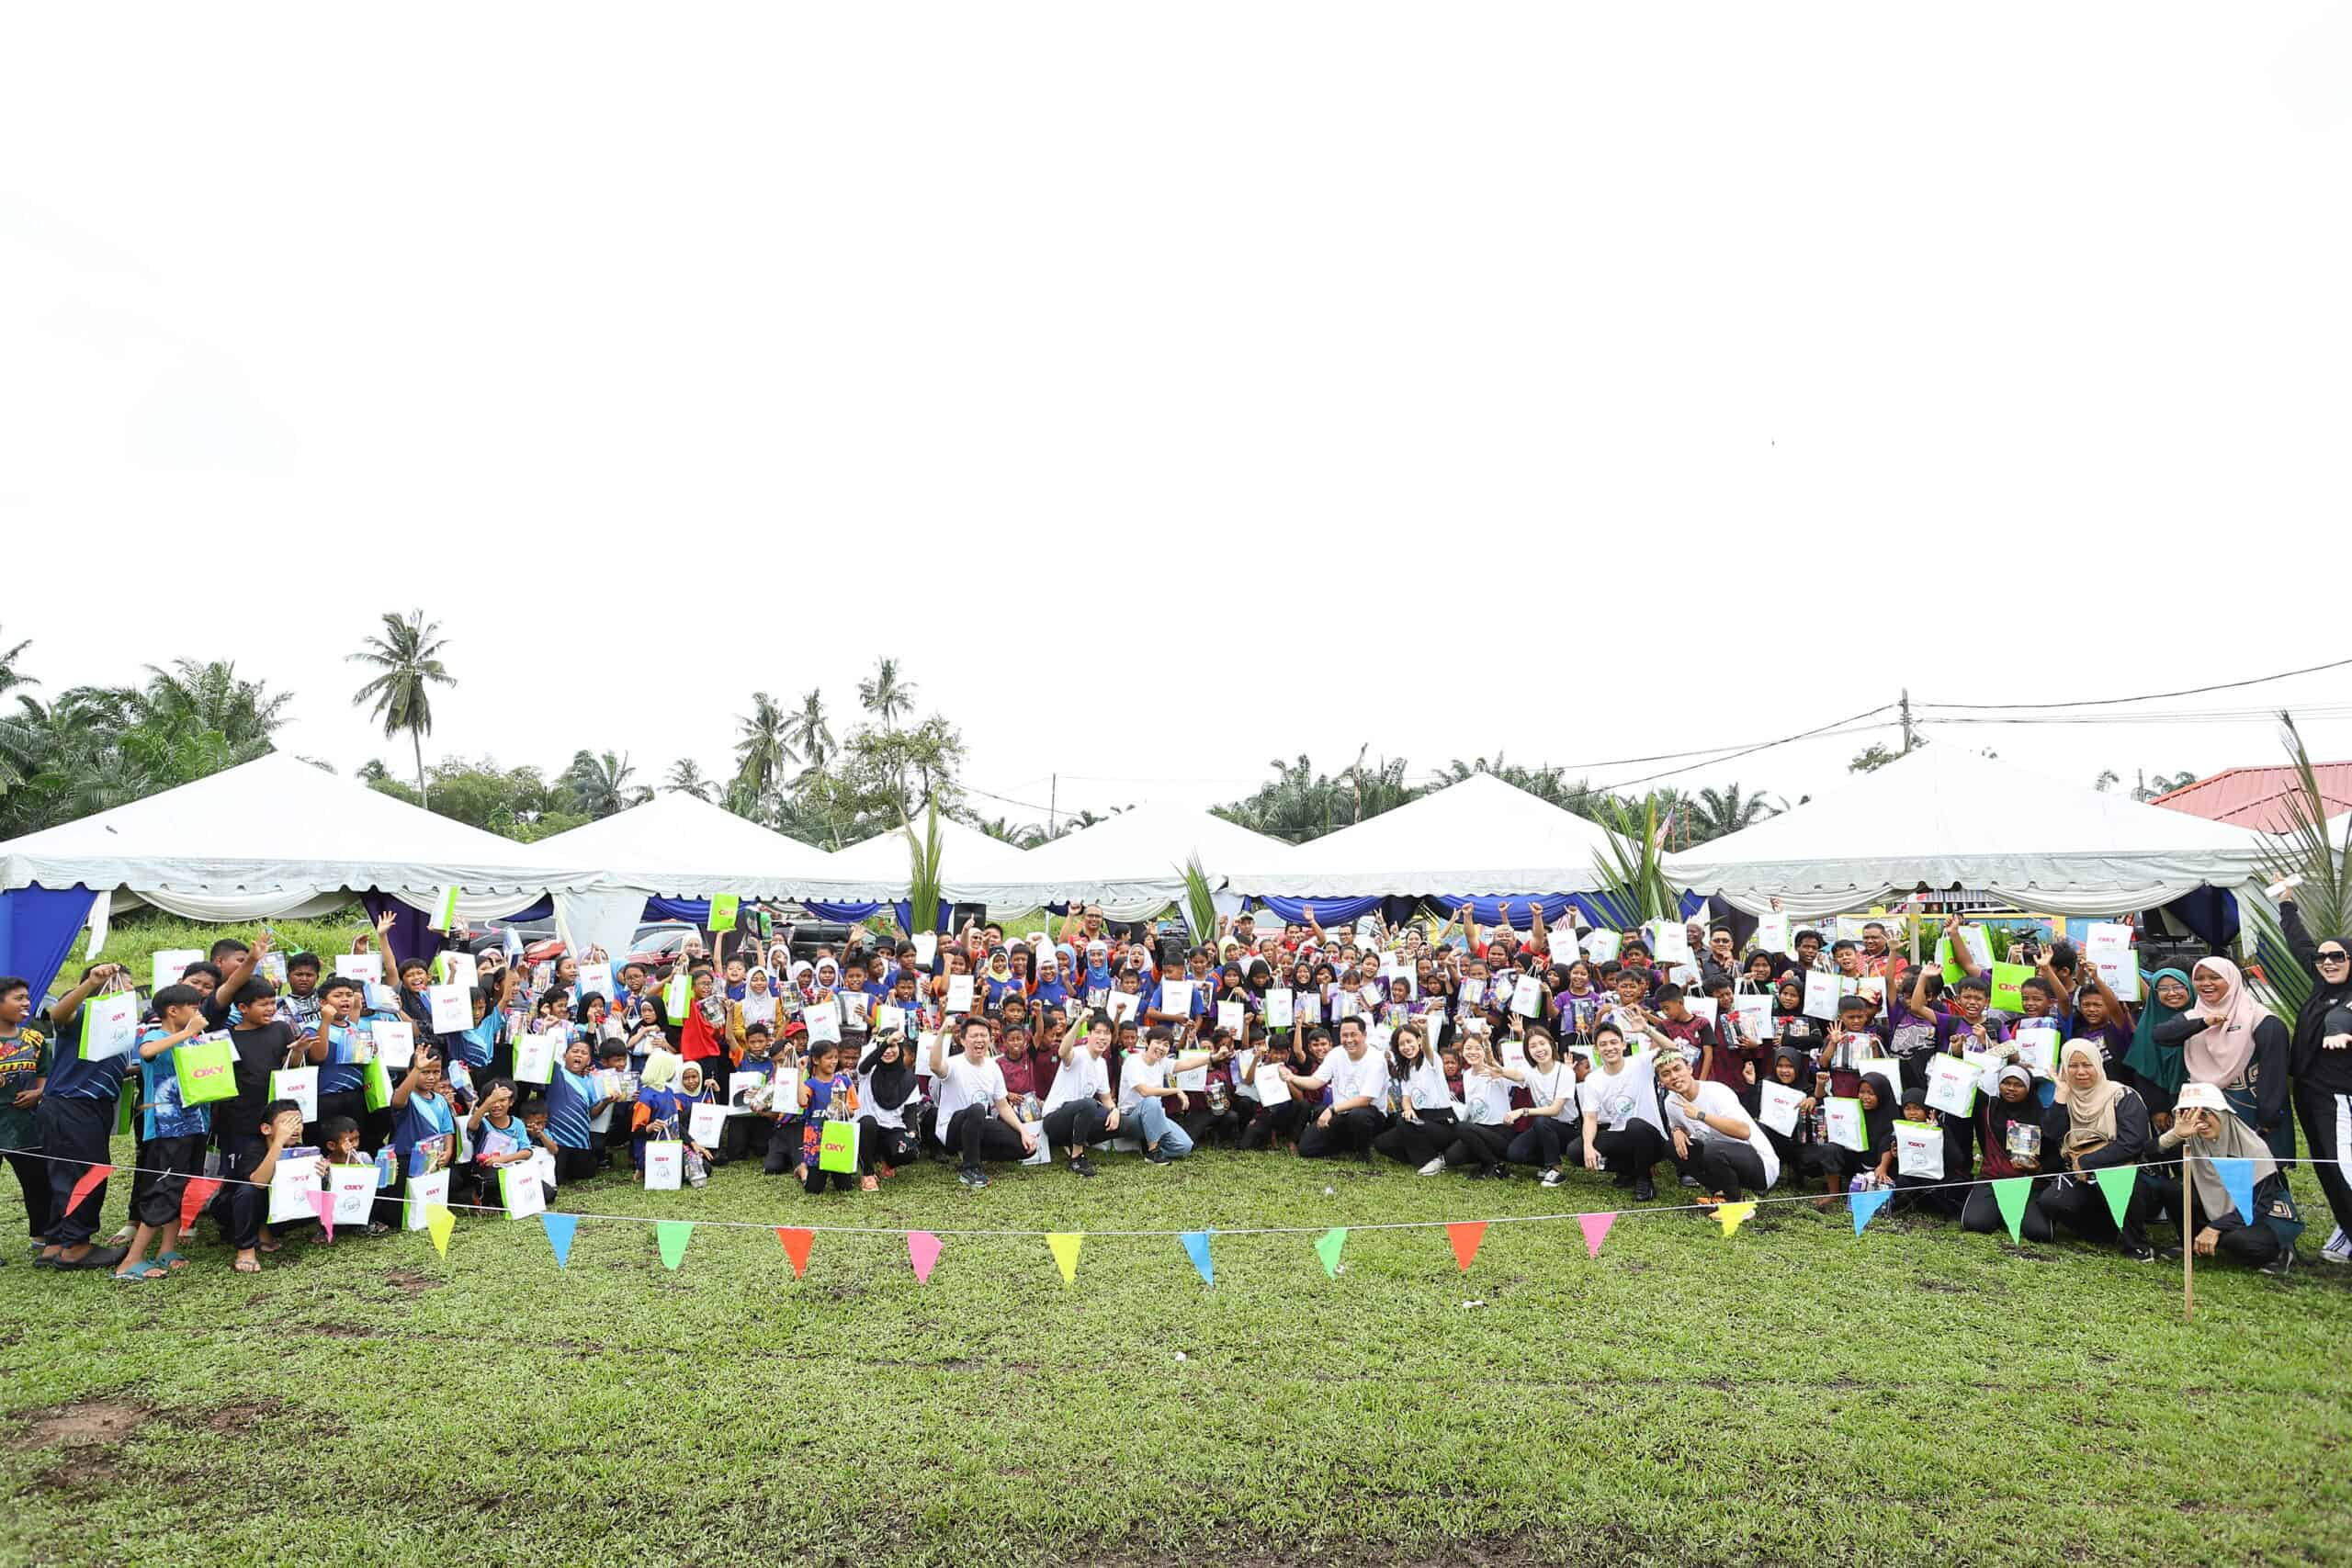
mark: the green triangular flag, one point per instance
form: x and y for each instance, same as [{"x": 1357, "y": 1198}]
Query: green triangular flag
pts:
[
  {"x": 1326, "y": 1248},
  {"x": 2011, "y": 1193},
  {"x": 670, "y": 1236},
  {"x": 2117, "y": 1181}
]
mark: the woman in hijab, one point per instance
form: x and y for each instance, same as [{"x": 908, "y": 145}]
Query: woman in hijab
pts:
[
  {"x": 1049, "y": 990},
  {"x": 2155, "y": 1072},
  {"x": 758, "y": 1006},
  {"x": 2206, "y": 1129},
  {"x": 998, "y": 979},
  {"x": 2009, "y": 1128},
  {"x": 885, "y": 1086},
  {"x": 2320, "y": 1058},
  {"x": 2096, "y": 1125},
  {"x": 2228, "y": 1039}
]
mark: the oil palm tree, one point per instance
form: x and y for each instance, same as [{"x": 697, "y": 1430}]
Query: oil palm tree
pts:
[
  {"x": 245, "y": 714},
  {"x": 686, "y": 778},
  {"x": 807, "y": 732},
  {"x": 1713, "y": 813},
  {"x": 407, "y": 657},
  {"x": 763, "y": 749},
  {"x": 885, "y": 696}
]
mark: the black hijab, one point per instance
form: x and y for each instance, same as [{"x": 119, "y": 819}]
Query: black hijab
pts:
[
  {"x": 892, "y": 1081},
  {"x": 1879, "y": 1124}
]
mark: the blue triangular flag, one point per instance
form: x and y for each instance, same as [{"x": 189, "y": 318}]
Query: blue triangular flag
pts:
[
  {"x": 2237, "y": 1179},
  {"x": 1196, "y": 1244},
  {"x": 1866, "y": 1204},
  {"x": 560, "y": 1229}
]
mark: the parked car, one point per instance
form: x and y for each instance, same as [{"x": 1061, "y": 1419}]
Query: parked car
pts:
[{"x": 656, "y": 946}]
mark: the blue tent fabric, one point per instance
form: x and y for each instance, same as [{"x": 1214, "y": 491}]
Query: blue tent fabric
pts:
[
  {"x": 2211, "y": 913},
  {"x": 36, "y": 930},
  {"x": 1328, "y": 911},
  {"x": 1597, "y": 908},
  {"x": 412, "y": 935}
]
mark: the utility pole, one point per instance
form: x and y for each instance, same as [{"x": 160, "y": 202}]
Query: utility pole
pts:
[
  {"x": 1906, "y": 721},
  {"x": 1053, "y": 797}
]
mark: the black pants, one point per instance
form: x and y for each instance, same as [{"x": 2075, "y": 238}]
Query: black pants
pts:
[
  {"x": 1727, "y": 1166},
  {"x": 1077, "y": 1123},
  {"x": 2253, "y": 1245},
  {"x": 164, "y": 1167},
  {"x": 784, "y": 1147},
  {"x": 1204, "y": 1126},
  {"x": 1478, "y": 1144},
  {"x": 1417, "y": 1141},
  {"x": 1349, "y": 1133},
  {"x": 375, "y": 1127},
  {"x": 352, "y": 1104},
  {"x": 238, "y": 1204},
  {"x": 746, "y": 1137},
  {"x": 878, "y": 1145},
  {"x": 1837, "y": 1162},
  {"x": 1544, "y": 1141},
  {"x": 2323, "y": 1115},
  {"x": 76, "y": 1135},
  {"x": 575, "y": 1165},
  {"x": 1922, "y": 1195},
  {"x": 978, "y": 1133},
  {"x": 1981, "y": 1213},
  {"x": 1631, "y": 1151},
  {"x": 815, "y": 1179},
  {"x": 2076, "y": 1203},
  {"x": 33, "y": 1178},
  {"x": 1274, "y": 1123}
]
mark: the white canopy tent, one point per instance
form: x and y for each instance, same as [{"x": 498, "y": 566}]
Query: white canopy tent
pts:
[
  {"x": 1132, "y": 864},
  {"x": 278, "y": 836},
  {"x": 1480, "y": 836},
  {"x": 1943, "y": 817},
  {"x": 967, "y": 857}
]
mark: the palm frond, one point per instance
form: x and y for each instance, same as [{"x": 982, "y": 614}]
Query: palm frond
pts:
[
  {"x": 2300, "y": 850},
  {"x": 1200, "y": 902},
  {"x": 922, "y": 871}
]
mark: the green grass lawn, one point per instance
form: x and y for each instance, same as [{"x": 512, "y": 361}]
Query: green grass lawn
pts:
[{"x": 1791, "y": 1394}]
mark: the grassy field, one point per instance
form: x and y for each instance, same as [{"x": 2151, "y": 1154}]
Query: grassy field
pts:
[{"x": 1791, "y": 1394}]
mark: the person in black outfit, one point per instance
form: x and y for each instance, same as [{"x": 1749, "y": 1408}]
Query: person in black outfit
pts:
[{"x": 2096, "y": 1123}]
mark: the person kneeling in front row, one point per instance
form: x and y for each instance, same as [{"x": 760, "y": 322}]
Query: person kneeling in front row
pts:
[
  {"x": 1358, "y": 1078},
  {"x": 1714, "y": 1138},
  {"x": 2205, "y": 1128},
  {"x": 975, "y": 1117}
]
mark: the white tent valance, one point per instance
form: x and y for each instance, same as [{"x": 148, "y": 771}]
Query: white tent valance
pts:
[
  {"x": 679, "y": 847},
  {"x": 275, "y": 837},
  {"x": 1132, "y": 864},
  {"x": 1479, "y": 837},
  {"x": 1943, "y": 817}
]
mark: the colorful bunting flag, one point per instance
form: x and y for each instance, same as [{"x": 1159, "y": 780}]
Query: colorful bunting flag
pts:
[
  {"x": 922, "y": 1251},
  {"x": 2012, "y": 1193},
  {"x": 323, "y": 1205},
  {"x": 439, "y": 1222},
  {"x": 1064, "y": 1245},
  {"x": 1465, "y": 1235},
  {"x": 795, "y": 1246},
  {"x": 1729, "y": 1215},
  {"x": 199, "y": 1192},
  {"x": 560, "y": 1229},
  {"x": 91, "y": 1179},
  {"x": 1595, "y": 1226},
  {"x": 2237, "y": 1179},
  {"x": 2117, "y": 1181},
  {"x": 1866, "y": 1205},
  {"x": 671, "y": 1236},
  {"x": 1196, "y": 1248},
  {"x": 1326, "y": 1248}
]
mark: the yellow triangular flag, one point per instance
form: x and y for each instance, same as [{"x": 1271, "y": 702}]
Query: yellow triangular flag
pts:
[
  {"x": 440, "y": 1222},
  {"x": 1066, "y": 1245},
  {"x": 1732, "y": 1213}
]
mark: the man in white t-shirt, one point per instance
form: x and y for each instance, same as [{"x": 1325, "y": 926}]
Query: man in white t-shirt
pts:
[
  {"x": 975, "y": 1117},
  {"x": 1148, "y": 1093},
  {"x": 1357, "y": 1076},
  {"x": 1079, "y": 1108},
  {"x": 1714, "y": 1138}
]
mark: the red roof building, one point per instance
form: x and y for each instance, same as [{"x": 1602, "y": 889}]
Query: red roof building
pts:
[{"x": 2259, "y": 798}]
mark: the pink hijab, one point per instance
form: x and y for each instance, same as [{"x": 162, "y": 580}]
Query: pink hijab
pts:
[{"x": 2218, "y": 1052}]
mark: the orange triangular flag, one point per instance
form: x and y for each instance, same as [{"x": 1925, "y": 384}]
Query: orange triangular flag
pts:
[
  {"x": 795, "y": 1246},
  {"x": 1465, "y": 1234}
]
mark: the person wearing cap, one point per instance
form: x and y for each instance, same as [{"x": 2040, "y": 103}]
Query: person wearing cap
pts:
[
  {"x": 2205, "y": 1129},
  {"x": 2008, "y": 1125}
]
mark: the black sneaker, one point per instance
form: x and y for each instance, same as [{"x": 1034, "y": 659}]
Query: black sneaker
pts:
[
  {"x": 965, "y": 1173},
  {"x": 1645, "y": 1190},
  {"x": 1690, "y": 1181},
  {"x": 1157, "y": 1156},
  {"x": 2282, "y": 1265},
  {"x": 1081, "y": 1166},
  {"x": 1555, "y": 1177},
  {"x": 1498, "y": 1172},
  {"x": 979, "y": 1181},
  {"x": 2141, "y": 1254}
]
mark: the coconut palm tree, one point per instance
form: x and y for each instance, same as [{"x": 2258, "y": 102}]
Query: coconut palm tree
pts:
[
  {"x": 407, "y": 656},
  {"x": 807, "y": 732},
  {"x": 598, "y": 784},
  {"x": 764, "y": 748},
  {"x": 885, "y": 696},
  {"x": 686, "y": 778},
  {"x": 10, "y": 676}
]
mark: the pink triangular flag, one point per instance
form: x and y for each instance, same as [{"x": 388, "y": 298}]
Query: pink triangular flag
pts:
[
  {"x": 922, "y": 1251},
  {"x": 323, "y": 1205},
  {"x": 1595, "y": 1226},
  {"x": 93, "y": 1177}
]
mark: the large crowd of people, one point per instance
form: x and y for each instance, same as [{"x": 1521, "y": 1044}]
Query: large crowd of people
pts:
[{"x": 1834, "y": 1068}]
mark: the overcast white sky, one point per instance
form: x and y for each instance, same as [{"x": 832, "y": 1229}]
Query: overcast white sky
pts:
[{"x": 1303, "y": 376}]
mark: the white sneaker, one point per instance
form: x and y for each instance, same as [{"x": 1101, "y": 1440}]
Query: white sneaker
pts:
[
  {"x": 2338, "y": 1248},
  {"x": 1434, "y": 1166}
]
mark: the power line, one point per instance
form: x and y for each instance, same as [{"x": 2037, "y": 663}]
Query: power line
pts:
[
  {"x": 1837, "y": 726},
  {"x": 2152, "y": 696}
]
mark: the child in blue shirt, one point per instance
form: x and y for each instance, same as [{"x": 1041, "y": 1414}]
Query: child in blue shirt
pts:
[{"x": 172, "y": 1136}]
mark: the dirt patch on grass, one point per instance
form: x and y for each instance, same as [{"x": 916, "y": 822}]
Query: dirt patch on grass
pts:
[
  {"x": 341, "y": 1330},
  {"x": 410, "y": 1281},
  {"x": 235, "y": 1420},
  {"x": 1943, "y": 1288},
  {"x": 83, "y": 1424}
]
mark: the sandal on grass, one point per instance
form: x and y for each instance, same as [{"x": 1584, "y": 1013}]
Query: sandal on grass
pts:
[
  {"x": 172, "y": 1261},
  {"x": 138, "y": 1271},
  {"x": 247, "y": 1266}
]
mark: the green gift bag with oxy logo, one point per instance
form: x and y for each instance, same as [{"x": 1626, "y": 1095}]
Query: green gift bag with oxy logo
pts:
[
  {"x": 837, "y": 1150},
  {"x": 376, "y": 1082},
  {"x": 722, "y": 912},
  {"x": 207, "y": 1070}
]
